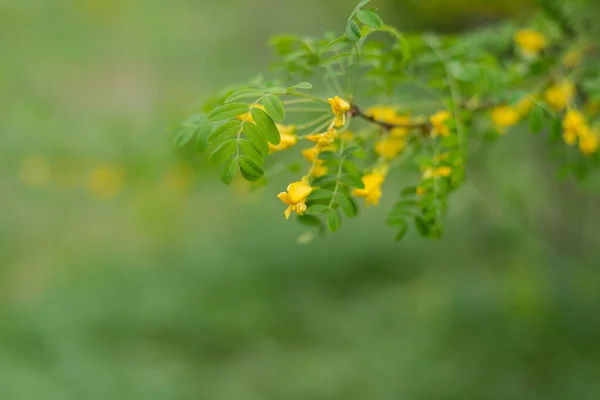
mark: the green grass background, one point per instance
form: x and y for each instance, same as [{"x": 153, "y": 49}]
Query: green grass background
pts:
[{"x": 178, "y": 287}]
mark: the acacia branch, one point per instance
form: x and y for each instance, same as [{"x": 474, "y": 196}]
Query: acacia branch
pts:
[{"x": 356, "y": 112}]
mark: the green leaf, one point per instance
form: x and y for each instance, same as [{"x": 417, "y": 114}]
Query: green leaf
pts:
[
  {"x": 266, "y": 126},
  {"x": 317, "y": 209},
  {"x": 228, "y": 171},
  {"x": 325, "y": 180},
  {"x": 422, "y": 226},
  {"x": 184, "y": 136},
  {"x": 556, "y": 129},
  {"x": 352, "y": 180},
  {"x": 257, "y": 139},
  {"x": 202, "y": 138},
  {"x": 345, "y": 204},
  {"x": 351, "y": 168},
  {"x": 333, "y": 220},
  {"x": 250, "y": 151},
  {"x": 223, "y": 131},
  {"x": 409, "y": 191},
  {"x": 369, "y": 18},
  {"x": 301, "y": 85},
  {"x": 402, "y": 232},
  {"x": 352, "y": 31},
  {"x": 536, "y": 119},
  {"x": 362, "y": 3},
  {"x": 251, "y": 171},
  {"x": 274, "y": 106},
  {"x": 227, "y": 111},
  {"x": 223, "y": 152},
  {"x": 349, "y": 151},
  {"x": 244, "y": 94},
  {"x": 328, "y": 155},
  {"x": 321, "y": 194}
]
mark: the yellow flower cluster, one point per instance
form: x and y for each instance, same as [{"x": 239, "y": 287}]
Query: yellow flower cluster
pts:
[
  {"x": 372, "y": 182},
  {"x": 530, "y": 42},
  {"x": 311, "y": 155},
  {"x": 560, "y": 95},
  {"x": 439, "y": 123},
  {"x": 504, "y": 117},
  {"x": 575, "y": 128},
  {"x": 339, "y": 107},
  {"x": 295, "y": 196},
  {"x": 392, "y": 145}
]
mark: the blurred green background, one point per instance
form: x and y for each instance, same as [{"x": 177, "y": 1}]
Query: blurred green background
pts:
[{"x": 128, "y": 271}]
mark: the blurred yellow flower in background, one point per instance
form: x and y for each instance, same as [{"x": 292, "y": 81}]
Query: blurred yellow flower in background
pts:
[
  {"x": 524, "y": 106},
  {"x": 34, "y": 170},
  {"x": 319, "y": 168},
  {"x": 530, "y": 42},
  {"x": 588, "y": 141},
  {"x": 288, "y": 138},
  {"x": 572, "y": 58},
  {"x": 504, "y": 117},
  {"x": 560, "y": 95},
  {"x": 438, "y": 122},
  {"x": 106, "y": 181},
  {"x": 389, "y": 147}
]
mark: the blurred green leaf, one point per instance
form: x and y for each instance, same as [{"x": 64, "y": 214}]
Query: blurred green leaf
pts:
[
  {"x": 342, "y": 200},
  {"x": 369, "y": 18},
  {"x": 536, "y": 119},
  {"x": 317, "y": 209},
  {"x": 333, "y": 220},
  {"x": 228, "y": 171},
  {"x": 352, "y": 31}
]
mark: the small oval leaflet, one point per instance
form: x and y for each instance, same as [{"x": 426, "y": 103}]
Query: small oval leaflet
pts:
[
  {"x": 333, "y": 220},
  {"x": 251, "y": 171},
  {"x": 256, "y": 137},
  {"x": 244, "y": 94},
  {"x": 266, "y": 125},
  {"x": 369, "y": 18},
  {"x": 317, "y": 209},
  {"x": 536, "y": 119},
  {"x": 228, "y": 111},
  {"x": 223, "y": 131},
  {"x": 353, "y": 31},
  {"x": 223, "y": 152},
  {"x": 228, "y": 171},
  {"x": 250, "y": 151},
  {"x": 274, "y": 106}
]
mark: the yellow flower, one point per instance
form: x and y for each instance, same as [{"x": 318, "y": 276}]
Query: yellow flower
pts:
[
  {"x": 572, "y": 58},
  {"x": 504, "y": 117},
  {"x": 573, "y": 121},
  {"x": 437, "y": 172},
  {"x": 372, "y": 190},
  {"x": 389, "y": 147},
  {"x": 588, "y": 141},
  {"x": 420, "y": 191},
  {"x": 249, "y": 116},
  {"x": 438, "y": 121},
  {"x": 442, "y": 171},
  {"x": 288, "y": 138},
  {"x": 399, "y": 120},
  {"x": 323, "y": 139},
  {"x": 106, "y": 182},
  {"x": 524, "y": 106},
  {"x": 295, "y": 197},
  {"x": 570, "y": 137},
  {"x": 559, "y": 96},
  {"x": 35, "y": 170},
  {"x": 382, "y": 113},
  {"x": 339, "y": 107},
  {"x": 310, "y": 155},
  {"x": 530, "y": 42}
]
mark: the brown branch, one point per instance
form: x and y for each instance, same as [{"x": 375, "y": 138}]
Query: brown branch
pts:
[{"x": 356, "y": 112}]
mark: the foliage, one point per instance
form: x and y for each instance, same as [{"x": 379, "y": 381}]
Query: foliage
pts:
[{"x": 376, "y": 99}]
